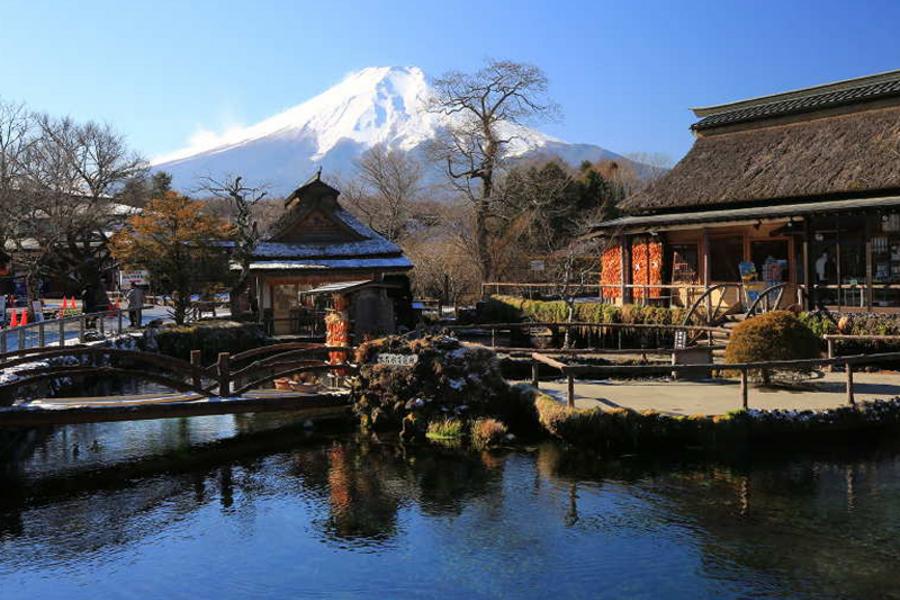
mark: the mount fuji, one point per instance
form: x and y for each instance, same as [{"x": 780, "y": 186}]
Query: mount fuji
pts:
[{"x": 377, "y": 105}]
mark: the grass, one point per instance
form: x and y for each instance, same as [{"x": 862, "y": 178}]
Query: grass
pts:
[
  {"x": 487, "y": 432},
  {"x": 445, "y": 429}
]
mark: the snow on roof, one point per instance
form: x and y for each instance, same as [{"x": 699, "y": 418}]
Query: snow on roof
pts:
[
  {"x": 399, "y": 262},
  {"x": 373, "y": 244}
]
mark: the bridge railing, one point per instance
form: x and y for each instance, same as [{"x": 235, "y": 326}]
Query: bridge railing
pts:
[
  {"x": 222, "y": 378},
  {"x": 63, "y": 330}
]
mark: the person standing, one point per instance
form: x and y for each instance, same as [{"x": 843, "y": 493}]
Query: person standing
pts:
[{"x": 135, "y": 299}]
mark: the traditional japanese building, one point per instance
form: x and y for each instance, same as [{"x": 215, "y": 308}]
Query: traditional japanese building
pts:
[
  {"x": 318, "y": 250},
  {"x": 800, "y": 188}
]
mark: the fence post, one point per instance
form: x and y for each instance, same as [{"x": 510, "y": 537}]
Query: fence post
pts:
[
  {"x": 848, "y": 366},
  {"x": 534, "y": 373},
  {"x": 62, "y": 333},
  {"x": 81, "y": 327},
  {"x": 196, "y": 366},
  {"x": 744, "y": 391},
  {"x": 570, "y": 397},
  {"x": 21, "y": 332},
  {"x": 101, "y": 326},
  {"x": 42, "y": 335},
  {"x": 3, "y": 336},
  {"x": 224, "y": 374},
  {"x": 493, "y": 337},
  {"x": 120, "y": 321},
  {"x": 830, "y": 347}
]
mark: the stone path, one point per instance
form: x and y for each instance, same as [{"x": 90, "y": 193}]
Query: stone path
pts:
[{"x": 713, "y": 397}]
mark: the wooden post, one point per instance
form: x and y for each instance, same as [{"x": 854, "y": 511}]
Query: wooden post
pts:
[
  {"x": 849, "y": 368},
  {"x": 197, "y": 365},
  {"x": 3, "y": 336},
  {"x": 570, "y": 397},
  {"x": 120, "y": 321},
  {"x": 42, "y": 335},
  {"x": 869, "y": 295},
  {"x": 101, "y": 326},
  {"x": 224, "y": 366},
  {"x": 744, "y": 391},
  {"x": 493, "y": 337},
  {"x": 534, "y": 373},
  {"x": 21, "y": 332},
  {"x": 830, "y": 343},
  {"x": 62, "y": 333},
  {"x": 81, "y": 326}
]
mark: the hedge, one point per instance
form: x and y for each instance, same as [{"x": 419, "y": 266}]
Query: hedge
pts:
[
  {"x": 212, "y": 337},
  {"x": 507, "y": 309}
]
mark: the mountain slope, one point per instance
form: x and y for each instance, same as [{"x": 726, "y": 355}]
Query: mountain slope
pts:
[{"x": 377, "y": 105}]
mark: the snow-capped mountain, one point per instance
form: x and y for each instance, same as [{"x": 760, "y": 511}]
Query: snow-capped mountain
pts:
[{"x": 377, "y": 105}]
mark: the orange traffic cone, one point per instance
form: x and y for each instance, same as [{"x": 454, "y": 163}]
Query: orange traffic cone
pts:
[
  {"x": 64, "y": 307},
  {"x": 23, "y": 320},
  {"x": 14, "y": 319}
]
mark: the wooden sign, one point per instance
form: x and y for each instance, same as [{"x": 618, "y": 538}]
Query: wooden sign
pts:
[
  {"x": 680, "y": 339},
  {"x": 397, "y": 360}
]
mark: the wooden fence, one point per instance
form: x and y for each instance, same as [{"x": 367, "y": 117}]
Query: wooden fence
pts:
[
  {"x": 571, "y": 372},
  {"x": 56, "y": 332}
]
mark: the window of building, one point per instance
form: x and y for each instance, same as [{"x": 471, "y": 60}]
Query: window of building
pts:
[
  {"x": 685, "y": 263},
  {"x": 725, "y": 254}
]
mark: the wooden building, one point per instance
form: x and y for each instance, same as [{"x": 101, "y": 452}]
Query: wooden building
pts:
[
  {"x": 800, "y": 188},
  {"x": 317, "y": 250}
]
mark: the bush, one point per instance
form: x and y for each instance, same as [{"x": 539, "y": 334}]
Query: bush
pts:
[
  {"x": 487, "y": 433},
  {"x": 500, "y": 309},
  {"x": 444, "y": 429},
  {"x": 777, "y": 335},
  {"x": 212, "y": 337}
]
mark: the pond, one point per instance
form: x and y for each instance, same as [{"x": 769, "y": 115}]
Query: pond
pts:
[{"x": 255, "y": 506}]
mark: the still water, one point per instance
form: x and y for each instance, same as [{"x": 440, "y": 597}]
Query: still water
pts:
[{"x": 255, "y": 507}]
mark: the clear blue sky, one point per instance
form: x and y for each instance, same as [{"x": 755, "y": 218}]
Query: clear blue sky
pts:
[{"x": 625, "y": 73}]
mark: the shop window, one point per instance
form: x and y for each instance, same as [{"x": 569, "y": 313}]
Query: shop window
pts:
[
  {"x": 685, "y": 263},
  {"x": 725, "y": 254},
  {"x": 771, "y": 260}
]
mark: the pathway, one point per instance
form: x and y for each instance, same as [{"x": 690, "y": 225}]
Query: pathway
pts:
[{"x": 715, "y": 397}]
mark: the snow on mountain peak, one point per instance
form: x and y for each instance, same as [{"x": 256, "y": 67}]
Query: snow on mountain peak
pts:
[{"x": 375, "y": 105}]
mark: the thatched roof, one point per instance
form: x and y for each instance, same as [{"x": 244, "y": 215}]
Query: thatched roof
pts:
[{"x": 857, "y": 153}]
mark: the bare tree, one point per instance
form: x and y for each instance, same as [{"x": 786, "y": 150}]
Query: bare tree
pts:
[
  {"x": 388, "y": 184},
  {"x": 485, "y": 111},
  {"x": 245, "y": 235},
  {"x": 61, "y": 209}
]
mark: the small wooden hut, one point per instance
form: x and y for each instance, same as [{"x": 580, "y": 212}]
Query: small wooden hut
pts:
[
  {"x": 317, "y": 250},
  {"x": 800, "y": 188}
]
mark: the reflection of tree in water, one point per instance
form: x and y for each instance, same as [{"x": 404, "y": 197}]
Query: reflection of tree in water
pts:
[{"x": 366, "y": 483}]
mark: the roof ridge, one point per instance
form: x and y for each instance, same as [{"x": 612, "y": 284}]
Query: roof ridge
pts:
[{"x": 814, "y": 90}]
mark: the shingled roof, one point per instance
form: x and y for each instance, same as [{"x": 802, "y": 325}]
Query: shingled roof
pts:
[
  {"x": 769, "y": 159},
  {"x": 831, "y": 95}
]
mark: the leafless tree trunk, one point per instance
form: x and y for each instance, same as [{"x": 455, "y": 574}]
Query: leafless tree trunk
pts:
[
  {"x": 245, "y": 234},
  {"x": 484, "y": 111}
]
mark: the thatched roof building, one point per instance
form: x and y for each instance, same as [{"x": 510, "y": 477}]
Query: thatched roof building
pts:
[
  {"x": 317, "y": 250},
  {"x": 814, "y": 168}
]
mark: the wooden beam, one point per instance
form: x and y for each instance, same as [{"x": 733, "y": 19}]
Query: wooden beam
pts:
[{"x": 318, "y": 405}]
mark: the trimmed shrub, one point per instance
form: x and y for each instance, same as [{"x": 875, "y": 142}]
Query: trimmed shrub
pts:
[
  {"x": 777, "y": 335},
  {"x": 212, "y": 337},
  {"x": 509, "y": 309}
]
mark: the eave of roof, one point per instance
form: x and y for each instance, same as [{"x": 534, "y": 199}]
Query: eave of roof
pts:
[
  {"x": 314, "y": 264},
  {"x": 755, "y": 213}
]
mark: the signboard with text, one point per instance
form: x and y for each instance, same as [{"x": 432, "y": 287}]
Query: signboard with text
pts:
[{"x": 138, "y": 277}]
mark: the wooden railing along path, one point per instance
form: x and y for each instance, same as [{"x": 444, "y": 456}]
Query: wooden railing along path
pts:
[{"x": 571, "y": 372}]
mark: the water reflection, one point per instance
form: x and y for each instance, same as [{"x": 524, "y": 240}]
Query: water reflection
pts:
[{"x": 176, "y": 508}]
